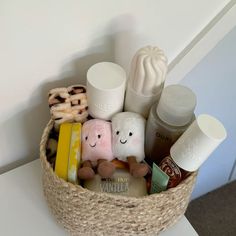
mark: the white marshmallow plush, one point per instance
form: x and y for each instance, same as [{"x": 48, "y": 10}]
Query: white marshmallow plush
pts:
[{"x": 128, "y": 132}]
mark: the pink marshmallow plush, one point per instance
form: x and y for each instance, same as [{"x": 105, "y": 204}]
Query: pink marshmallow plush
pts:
[{"x": 96, "y": 140}]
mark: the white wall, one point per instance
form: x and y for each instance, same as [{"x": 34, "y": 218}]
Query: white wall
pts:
[
  {"x": 213, "y": 81},
  {"x": 45, "y": 44}
]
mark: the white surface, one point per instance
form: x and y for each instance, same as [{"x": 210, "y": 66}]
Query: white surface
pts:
[
  {"x": 45, "y": 44},
  {"x": 202, "y": 43},
  {"x": 24, "y": 210},
  {"x": 213, "y": 81}
]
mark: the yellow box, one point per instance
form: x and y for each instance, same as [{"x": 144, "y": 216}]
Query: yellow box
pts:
[
  {"x": 74, "y": 153},
  {"x": 68, "y": 152},
  {"x": 63, "y": 148}
]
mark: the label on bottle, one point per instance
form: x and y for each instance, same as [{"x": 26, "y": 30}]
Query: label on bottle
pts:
[
  {"x": 114, "y": 185},
  {"x": 172, "y": 170},
  {"x": 162, "y": 137}
]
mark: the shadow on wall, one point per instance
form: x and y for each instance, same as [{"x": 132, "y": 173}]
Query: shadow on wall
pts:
[{"x": 28, "y": 124}]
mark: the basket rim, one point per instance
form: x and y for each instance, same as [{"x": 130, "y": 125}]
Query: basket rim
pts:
[{"x": 46, "y": 164}]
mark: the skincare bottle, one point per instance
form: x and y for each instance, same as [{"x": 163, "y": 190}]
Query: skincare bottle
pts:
[
  {"x": 202, "y": 137},
  {"x": 146, "y": 80},
  {"x": 168, "y": 120}
]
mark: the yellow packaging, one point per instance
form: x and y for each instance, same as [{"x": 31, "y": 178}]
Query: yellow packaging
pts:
[
  {"x": 74, "y": 153},
  {"x": 68, "y": 152},
  {"x": 61, "y": 166}
]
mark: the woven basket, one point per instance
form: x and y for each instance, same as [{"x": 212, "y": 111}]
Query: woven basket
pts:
[{"x": 83, "y": 212}]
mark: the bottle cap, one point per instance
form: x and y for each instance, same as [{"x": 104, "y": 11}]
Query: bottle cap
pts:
[
  {"x": 197, "y": 143},
  {"x": 176, "y": 105},
  {"x": 139, "y": 103}
]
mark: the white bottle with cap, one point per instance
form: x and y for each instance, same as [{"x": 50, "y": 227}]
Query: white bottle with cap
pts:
[
  {"x": 146, "y": 80},
  {"x": 168, "y": 120},
  {"x": 196, "y": 144}
]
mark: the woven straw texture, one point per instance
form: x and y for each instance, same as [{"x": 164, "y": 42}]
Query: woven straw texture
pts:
[{"x": 83, "y": 212}]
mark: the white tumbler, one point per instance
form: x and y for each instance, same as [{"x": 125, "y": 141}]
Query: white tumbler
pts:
[
  {"x": 106, "y": 84},
  {"x": 196, "y": 144}
]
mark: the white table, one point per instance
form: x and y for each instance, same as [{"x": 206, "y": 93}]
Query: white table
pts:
[{"x": 23, "y": 209}]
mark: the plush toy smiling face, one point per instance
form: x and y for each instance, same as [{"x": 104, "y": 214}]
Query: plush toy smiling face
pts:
[
  {"x": 96, "y": 140},
  {"x": 128, "y": 131}
]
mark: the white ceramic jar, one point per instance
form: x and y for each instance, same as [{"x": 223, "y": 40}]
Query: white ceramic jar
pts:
[{"x": 106, "y": 84}]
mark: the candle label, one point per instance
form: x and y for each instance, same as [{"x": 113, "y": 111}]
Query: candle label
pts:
[
  {"x": 104, "y": 106},
  {"x": 172, "y": 170},
  {"x": 114, "y": 185}
]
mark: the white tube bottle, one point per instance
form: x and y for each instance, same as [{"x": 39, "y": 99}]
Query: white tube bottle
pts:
[
  {"x": 168, "y": 120},
  {"x": 146, "y": 80},
  {"x": 193, "y": 148}
]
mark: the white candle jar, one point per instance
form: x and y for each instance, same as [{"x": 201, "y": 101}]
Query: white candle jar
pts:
[{"x": 106, "y": 84}]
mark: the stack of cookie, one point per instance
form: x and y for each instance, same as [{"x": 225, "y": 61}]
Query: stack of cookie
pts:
[{"x": 68, "y": 104}]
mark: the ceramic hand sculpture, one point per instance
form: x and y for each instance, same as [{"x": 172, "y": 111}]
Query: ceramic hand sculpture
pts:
[
  {"x": 128, "y": 132},
  {"x": 146, "y": 80},
  {"x": 96, "y": 149}
]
